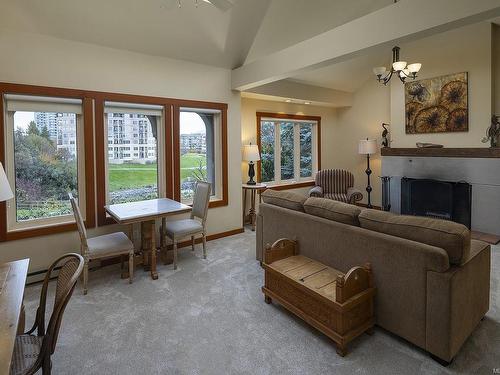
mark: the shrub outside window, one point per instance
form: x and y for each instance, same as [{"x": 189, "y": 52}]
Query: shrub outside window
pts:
[
  {"x": 44, "y": 159},
  {"x": 288, "y": 150}
]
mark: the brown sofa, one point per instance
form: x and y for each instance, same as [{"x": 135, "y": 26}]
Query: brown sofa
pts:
[{"x": 433, "y": 281}]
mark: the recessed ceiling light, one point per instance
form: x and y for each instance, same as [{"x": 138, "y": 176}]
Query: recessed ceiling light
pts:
[
  {"x": 288, "y": 100},
  {"x": 307, "y": 102}
]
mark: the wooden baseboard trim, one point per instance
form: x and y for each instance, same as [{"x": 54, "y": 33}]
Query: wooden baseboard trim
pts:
[{"x": 211, "y": 237}]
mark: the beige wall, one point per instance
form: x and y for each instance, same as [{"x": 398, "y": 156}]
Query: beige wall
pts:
[
  {"x": 467, "y": 49},
  {"x": 496, "y": 68},
  {"x": 371, "y": 107},
  {"x": 40, "y": 60}
]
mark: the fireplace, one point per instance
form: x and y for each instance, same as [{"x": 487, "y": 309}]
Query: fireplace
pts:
[{"x": 439, "y": 199}]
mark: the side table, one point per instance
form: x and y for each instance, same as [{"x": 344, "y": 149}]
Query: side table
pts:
[{"x": 254, "y": 189}]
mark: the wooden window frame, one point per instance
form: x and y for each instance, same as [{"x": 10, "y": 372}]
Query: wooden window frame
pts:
[
  {"x": 102, "y": 146},
  {"x": 285, "y": 116},
  {"x": 93, "y": 122},
  {"x": 222, "y": 107},
  {"x": 88, "y": 135}
]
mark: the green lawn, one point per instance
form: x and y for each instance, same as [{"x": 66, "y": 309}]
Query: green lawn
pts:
[{"x": 127, "y": 176}]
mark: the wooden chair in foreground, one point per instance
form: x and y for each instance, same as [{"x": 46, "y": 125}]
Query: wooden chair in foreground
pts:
[
  {"x": 32, "y": 351},
  {"x": 105, "y": 246},
  {"x": 178, "y": 229}
]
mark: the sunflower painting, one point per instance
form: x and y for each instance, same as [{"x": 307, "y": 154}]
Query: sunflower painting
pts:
[{"x": 437, "y": 105}]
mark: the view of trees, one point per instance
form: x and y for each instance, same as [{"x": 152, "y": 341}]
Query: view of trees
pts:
[
  {"x": 267, "y": 151},
  {"x": 306, "y": 150},
  {"x": 44, "y": 174},
  {"x": 287, "y": 151}
]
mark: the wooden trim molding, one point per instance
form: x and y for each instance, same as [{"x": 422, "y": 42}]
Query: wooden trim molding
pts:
[
  {"x": 285, "y": 116},
  {"x": 102, "y": 145},
  {"x": 478, "y": 152},
  {"x": 88, "y": 135},
  {"x": 210, "y": 237},
  {"x": 297, "y": 185},
  {"x": 177, "y": 154},
  {"x": 95, "y": 157}
]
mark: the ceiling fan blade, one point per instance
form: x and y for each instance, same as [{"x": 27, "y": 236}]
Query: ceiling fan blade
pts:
[{"x": 223, "y": 5}]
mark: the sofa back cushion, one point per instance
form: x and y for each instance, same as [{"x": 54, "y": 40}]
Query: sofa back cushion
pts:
[
  {"x": 454, "y": 238},
  {"x": 284, "y": 199},
  {"x": 333, "y": 210}
]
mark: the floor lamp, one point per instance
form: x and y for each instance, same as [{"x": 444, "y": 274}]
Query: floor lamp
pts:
[{"x": 368, "y": 147}]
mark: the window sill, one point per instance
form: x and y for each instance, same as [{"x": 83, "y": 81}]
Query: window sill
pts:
[
  {"x": 44, "y": 230},
  {"x": 293, "y": 185}
]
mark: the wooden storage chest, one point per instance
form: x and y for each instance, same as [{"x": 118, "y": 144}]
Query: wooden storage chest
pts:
[{"x": 337, "y": 304}]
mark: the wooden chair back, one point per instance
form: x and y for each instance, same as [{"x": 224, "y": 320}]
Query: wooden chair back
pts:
[
  {"x": 200, "y": 201},
  {"x": 79, "y": 221},
  {"x": 70, "y": 267}
]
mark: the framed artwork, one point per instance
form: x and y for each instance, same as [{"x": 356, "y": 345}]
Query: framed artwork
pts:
[{"x": 437, "y": 105}]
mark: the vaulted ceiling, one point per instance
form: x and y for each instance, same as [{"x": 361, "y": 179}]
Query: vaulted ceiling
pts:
[{"x": 202, "y": 33}]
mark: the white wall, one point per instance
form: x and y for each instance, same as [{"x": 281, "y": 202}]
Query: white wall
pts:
[{"x": 40, "y": 60}]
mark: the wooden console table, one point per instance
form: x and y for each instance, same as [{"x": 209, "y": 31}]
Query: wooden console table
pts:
[
  {"x": 254, "y": 189},
  {"x": 12, "y": 281}
]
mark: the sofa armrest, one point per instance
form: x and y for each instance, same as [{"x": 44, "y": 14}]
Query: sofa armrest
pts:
[
  {"x": 456, "y": 302},
  {"x": 316, "y": 191},
  {"x": 354, "y": 195}
]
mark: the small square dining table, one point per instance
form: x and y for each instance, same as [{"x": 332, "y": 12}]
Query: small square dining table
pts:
[{"x": 147, "y": 212}]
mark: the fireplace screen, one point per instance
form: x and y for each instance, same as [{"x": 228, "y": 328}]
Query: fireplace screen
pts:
[{"x": 438, "y": 199}]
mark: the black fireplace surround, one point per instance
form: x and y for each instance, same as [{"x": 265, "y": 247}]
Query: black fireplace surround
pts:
[{"x": 439, "y": 199}]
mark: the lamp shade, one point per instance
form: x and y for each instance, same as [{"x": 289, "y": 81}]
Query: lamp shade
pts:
[
  {"x": 251, "y": 153},
  {"x": 367, "y": 146},
  {"x": 5, "y": 190}
]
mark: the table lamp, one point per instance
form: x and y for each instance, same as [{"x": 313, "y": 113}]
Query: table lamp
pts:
[
  {"x": 251, "y": 154},
  {"x": 5, "y": 190},
  {"x": 368, "y": 147}
]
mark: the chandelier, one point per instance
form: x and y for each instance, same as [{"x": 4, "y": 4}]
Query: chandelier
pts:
[
  {"x": 179, "y": 3},
  {"x": 400, "y": 68}
]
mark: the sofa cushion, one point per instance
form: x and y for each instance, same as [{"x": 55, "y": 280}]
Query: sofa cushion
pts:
[
  {"x": 454, "y": 238},
  {"x": 284, "y": 199},
  {"x": 333, "y": 210}
]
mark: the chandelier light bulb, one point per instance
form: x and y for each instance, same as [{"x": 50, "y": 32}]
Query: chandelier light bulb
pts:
[
  {"x": 399, "y": 65},
  {"x": 414, "y": 68}
]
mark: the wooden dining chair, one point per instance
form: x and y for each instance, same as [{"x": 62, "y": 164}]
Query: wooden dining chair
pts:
[
  {"x": 105, "y": 246},
  {"x": 32, "y": 351},
  {"x": 179, "y": 229}
]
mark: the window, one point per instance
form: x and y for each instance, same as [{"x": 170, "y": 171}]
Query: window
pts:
[
  {"x": 200, "y": 151},
  {"x": 133, "y": 176},
  {"x": 289, "y": 147},
  {"x": 44, "y": 158}
]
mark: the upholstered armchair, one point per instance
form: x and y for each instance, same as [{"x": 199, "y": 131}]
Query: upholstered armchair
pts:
[{"x": 336, "y": 184}]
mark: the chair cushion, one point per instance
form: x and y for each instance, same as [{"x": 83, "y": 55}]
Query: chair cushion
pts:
[
  {"x": 337, "y": 197},
  {"x": 109, "y": 244},
  {"x": 181, "y": 228},
  {"x": 454, "y": 238},
  {"x": 333, "y": 210},
  {"x": 26, "y": 351},
  {"x": 284, "y": 199}
]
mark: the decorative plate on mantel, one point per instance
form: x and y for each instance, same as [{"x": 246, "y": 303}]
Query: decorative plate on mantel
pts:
[{"x": 437, "y": 105}]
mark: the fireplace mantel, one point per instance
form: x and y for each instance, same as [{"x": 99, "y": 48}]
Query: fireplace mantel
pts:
[{"x": 479, "y": 152}]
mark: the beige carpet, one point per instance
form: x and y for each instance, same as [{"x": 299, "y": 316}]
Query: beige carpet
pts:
[{"x": 209, "y": 317}]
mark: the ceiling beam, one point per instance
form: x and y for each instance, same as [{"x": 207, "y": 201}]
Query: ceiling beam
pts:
[
  {"x": 301, "y": 93},
  {"x": 400, "y": 22}
]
